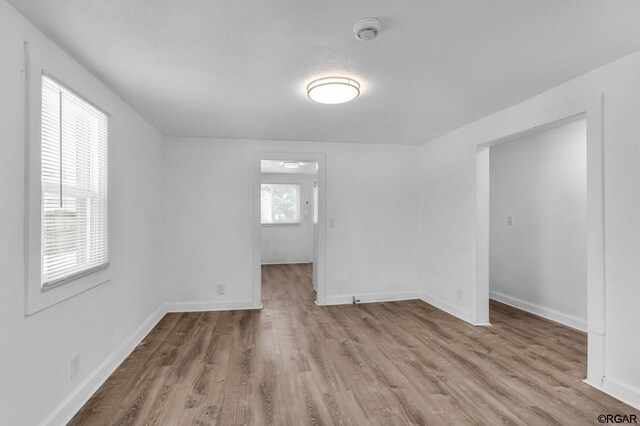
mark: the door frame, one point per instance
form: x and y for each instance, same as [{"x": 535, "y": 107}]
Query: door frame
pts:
[
  {"x": 591, "y": 108},
  {"x": 320, "y": 242}
]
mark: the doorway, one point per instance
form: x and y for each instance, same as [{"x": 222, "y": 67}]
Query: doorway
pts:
[
  {"x": 538, "y": 223},
  {"x": 591, "y": 108},
  {"x": 288, "y": 221}
]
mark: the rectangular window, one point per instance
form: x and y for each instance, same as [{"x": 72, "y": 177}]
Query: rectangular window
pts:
[
  {"x": 280, "y": 203},
  {"x": 74, "y": 185}
]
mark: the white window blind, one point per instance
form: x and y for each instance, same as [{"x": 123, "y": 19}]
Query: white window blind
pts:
[
  {"x": 74, "y": 185},
  {"x": 280, "y": 203}
]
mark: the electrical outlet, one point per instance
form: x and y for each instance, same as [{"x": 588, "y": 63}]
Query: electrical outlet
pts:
[
  {"x": 459, "y": 294},
  {"x": 275, "y": 252},
  {"x": 222, "y": 288},
  {"x": 74, "y": 366},
  {"x": 509, "y": 220}
]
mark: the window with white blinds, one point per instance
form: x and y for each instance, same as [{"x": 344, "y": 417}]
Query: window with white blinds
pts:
[{"x": 74, "y": 185}]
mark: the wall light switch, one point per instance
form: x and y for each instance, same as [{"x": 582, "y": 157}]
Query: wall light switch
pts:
[
  {"x": 74, "y": 366},
  {"x": 332, "y": 223},
  {"x": 509, "y": 220},
  {"x": 222, "y": 288}
]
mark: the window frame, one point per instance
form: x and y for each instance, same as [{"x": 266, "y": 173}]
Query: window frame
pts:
[
  {"x": 48, "y": 285},
  {"x": 298, "y": 205},
  {"x": 38, "y": 298}
]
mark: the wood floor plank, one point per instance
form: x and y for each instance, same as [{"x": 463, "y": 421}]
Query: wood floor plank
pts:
[{"x": 399, "y": 363}]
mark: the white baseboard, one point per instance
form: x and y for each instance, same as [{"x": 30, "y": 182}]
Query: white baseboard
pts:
[
  {"x": 447, "y": 307},
  {"x": 85, "y": 391},
  {"x": 372, "y": 298},
  {"x": 63, "y": 414},
  {"x": 544, "y": 312},
  {"x": 211, "y": 306},
  {"x": 302, "y": 262},
  {"x": 622, "y": 391},
  {"x": 618, "y": 390}
]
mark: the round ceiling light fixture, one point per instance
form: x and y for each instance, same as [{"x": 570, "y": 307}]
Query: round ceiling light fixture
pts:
[
  {"x": 291, "y": 164},
  {"x": 367, "y": 29},
  {"x": 333, "y": 90}
]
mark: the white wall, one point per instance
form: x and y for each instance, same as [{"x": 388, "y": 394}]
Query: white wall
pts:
[
  {"x": 371, "y": 192},
  {"x": 448, "y": 208},
  {"x": 35, "y": 350},
  {"x": 290, "y": 243},
  {"x": 539, "y": 262}
]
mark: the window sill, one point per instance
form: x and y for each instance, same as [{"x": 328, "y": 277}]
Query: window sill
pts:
[
  {"x": 74, "y": 277},
  {"x": 40, "y": 298}
]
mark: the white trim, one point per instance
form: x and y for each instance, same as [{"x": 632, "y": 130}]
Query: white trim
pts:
[
  {"x": 307, "y": 262},
  {"x": 480, "y": 307},
  {"x": 563, "y": 110},
  {"x": 618, "y": 390},
  {"x": 622, "y": 391},
  {"x": 75, "y": 92},
  {"x": 449, "y": 308},
  {"x": 36, "y": 298},
  {"x": 70, "y": 406},
  {"x": 541, "y": 311},
  {"x": 320, "y": 241},
  {"x": 241, "y": 305},
  {"x": 74, "y": 276},
  {"x": 372, "y": 298}
]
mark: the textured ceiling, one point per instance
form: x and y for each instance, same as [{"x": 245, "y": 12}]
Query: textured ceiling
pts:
[{"x": 238, "y": 68}]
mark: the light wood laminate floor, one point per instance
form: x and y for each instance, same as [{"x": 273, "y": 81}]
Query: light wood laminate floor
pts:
[{"x": 294, "y": 363}]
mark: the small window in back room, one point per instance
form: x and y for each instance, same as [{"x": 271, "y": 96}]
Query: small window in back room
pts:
[
  {"x": 280, "y": 204},
  {"x": 74, "y": 185}
]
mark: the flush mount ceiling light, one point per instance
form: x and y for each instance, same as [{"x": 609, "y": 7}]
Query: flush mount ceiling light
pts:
[
  {"x": 291, "y": 164},
  {"x": 333, "y": 90}
]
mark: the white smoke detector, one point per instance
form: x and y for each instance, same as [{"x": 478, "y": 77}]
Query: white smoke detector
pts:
[{"x": 367, "y": 29}]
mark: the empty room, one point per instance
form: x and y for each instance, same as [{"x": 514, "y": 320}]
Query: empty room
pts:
[{"x": 294, "y": 212}]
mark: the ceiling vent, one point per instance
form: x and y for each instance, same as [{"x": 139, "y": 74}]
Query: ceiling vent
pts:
[{"x": 367, "y": 29}]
